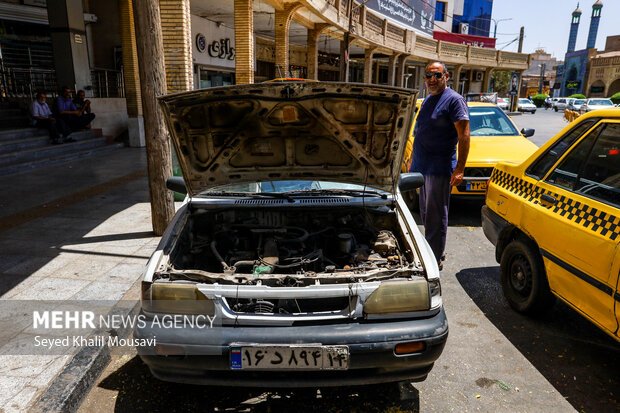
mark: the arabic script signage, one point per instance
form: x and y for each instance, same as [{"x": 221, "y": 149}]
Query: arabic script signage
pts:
[{"x": 416, "y": 14}]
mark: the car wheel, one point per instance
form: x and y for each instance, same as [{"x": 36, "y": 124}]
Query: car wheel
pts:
[
  {"x": 523, "y": 278},
  {"x": 556, "y": 109},
  {"x": 533, "y": 112}
]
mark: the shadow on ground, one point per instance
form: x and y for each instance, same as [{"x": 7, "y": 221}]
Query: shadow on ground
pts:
[
  {"x": 577, "y": 358},
  {"x": 138, "y": 390}
]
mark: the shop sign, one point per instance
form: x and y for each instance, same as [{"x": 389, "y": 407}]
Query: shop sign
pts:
[
  {"x": 201, "y": 42},
  {"x": 466, "y": 39},
  {"x": 417, "y": 14},
  {"x": 221, "y": 49},
  {"x": 574, "y": 84},
  {"x": 597, "y": 89}
]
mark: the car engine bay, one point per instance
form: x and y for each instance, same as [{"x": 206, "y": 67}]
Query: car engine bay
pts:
[{"x": 291, "y": 247}]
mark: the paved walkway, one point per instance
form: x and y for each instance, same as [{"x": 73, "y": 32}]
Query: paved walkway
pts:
[{"x": 78, "y": 231}]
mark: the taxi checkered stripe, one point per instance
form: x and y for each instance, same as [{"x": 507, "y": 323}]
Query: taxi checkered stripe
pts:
[{"x": 595, "y": 220}]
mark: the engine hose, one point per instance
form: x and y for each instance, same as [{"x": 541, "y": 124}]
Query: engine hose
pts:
[{"x": 218, "y": 256}]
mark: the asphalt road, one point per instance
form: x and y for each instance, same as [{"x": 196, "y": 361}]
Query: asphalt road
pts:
[{"x": 495, "y": 360}]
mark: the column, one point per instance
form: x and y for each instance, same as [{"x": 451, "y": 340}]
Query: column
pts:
[
  {"x": 486, "y": 82},
  {"x": 312, "y": 50},
  {"x": 392, "y": 68},
  {"x": 244, "y": 41},
  {"x": 400, "y": 70},
  {"x": 457, "y": 76},
  {"x": 368, "y": 64},
  {"x": 131, "y": 74},
  {"x": 66, "y": 21},
  {"x": 283, "y": 22},
  {"x": 176, "y": 31}
]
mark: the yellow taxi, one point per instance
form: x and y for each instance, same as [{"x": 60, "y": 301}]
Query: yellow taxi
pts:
[
  {"x": 555, "y": 222},
  {"x": 494, "y": 138}
]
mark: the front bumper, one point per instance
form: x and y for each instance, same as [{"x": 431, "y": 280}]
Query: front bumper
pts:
[{"x": 371, "y": 353}]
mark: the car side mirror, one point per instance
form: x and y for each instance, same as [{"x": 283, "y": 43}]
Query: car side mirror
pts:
[
  {"x": 410, "y": 181},
  {"x": 527, "y": 132},
  {"x": 176, "y": 184}
]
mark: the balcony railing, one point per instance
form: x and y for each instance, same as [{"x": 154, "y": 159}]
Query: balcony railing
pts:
[{"x": 25, "y": 82}]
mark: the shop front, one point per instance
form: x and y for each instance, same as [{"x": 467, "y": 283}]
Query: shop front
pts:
[{"x": 213, "y": 51}]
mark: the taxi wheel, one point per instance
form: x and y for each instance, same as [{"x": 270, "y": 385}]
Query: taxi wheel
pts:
[{"x": 523, "y": 279}]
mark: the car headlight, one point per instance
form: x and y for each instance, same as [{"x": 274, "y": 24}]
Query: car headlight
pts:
[
  {"x": 399, "y": 297},
  {"x": 175, "y": 299}
]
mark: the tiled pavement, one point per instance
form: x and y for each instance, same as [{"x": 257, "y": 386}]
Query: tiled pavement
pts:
[{"x": 80, "y": 230}]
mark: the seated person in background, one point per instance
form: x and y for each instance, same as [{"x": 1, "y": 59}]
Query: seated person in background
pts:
[
  {"x": 42, "y": 118},
  {"x": 80, "y": 102},
  {"x": 73, "y": 117}
]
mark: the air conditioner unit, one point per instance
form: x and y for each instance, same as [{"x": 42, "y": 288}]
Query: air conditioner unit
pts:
[
  {"x": 478, "y": 76},
  {"x": 464, "y": 28}
]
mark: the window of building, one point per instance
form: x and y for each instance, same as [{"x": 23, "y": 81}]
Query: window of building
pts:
[{"x": 440, "y": 11}]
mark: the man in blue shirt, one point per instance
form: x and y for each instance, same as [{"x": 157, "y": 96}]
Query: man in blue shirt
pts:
[
  {"x": 443, "y": 122},
  {"x": 75, "y": 118},
  {"x": 42, "y": 117}
]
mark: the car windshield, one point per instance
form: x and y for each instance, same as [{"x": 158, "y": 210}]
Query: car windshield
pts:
[
  {"x": 578, "y": 102},
  {"x": 601, "y": 102},
  {"x": 524, "y": 101},
  {"x": 272, "y": 187},
  {"x": 490, "y": 121}
]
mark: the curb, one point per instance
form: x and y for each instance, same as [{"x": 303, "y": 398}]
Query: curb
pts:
[{"x": 67, "y": 391}]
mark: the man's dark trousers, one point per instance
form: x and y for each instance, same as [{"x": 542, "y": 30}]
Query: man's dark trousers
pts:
[
  {"x": 434, "y": 205},
  {"x": 78, "y": 122},
  {"x": 52, "y": 127}
]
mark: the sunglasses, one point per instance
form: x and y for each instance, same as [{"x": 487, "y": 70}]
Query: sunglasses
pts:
[{"x": 437, "y": 75}]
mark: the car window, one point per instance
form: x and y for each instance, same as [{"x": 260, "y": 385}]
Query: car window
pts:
[
  {"x": 601, "y": 174},
  {"x": 578, "y": 102},
  {"x": 562, "y": 101},
  {"x": 602, "y": 102},
  {"x": 284, "y": 186},
  {"x": 490, "y": 121},
  {"x": 524, "y": 101},
  {"x": 567, "y": 172},
  {"x": 539, "y": 168}
]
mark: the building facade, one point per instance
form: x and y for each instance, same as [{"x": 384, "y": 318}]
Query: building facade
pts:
[
  {"x": 540, "y": 76},
  {"x": 603, "y": 69}
]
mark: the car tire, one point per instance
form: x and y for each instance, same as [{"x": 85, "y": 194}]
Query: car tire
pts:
[
  {"x": 523, "y": 278},
  {"x": 533, "y": 112},
  {"x": 556, "y": 109}
]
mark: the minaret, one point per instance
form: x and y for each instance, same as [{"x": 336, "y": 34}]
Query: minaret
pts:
[
  {"x": 596, "y": 17},
  {"x": 574, "y": 26}
]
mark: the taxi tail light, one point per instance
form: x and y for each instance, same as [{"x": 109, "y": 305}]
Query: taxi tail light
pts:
[{"x": 486, "y": 190}]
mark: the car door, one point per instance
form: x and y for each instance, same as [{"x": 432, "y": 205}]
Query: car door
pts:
[
  {"x": 574, "y": 215},
  {"x": 615, "y": 273}
]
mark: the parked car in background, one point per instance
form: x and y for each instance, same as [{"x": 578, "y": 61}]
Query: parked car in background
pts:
[
  {"x": 560, "y": 104},
  {"x": 526, "y": 105},
  {"x": 596, "y": 103},
  {"x": 575, "y": 104},
  {"x": 494, "y": 138},
  {"x": 554, "y": 221},
  {"x": 294, "y": 239},
  {"x": 503, "y": 103}
]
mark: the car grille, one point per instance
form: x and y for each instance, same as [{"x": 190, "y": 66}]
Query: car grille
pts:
[
  {"x": 290, "y": 306},
  {"x": 478, "y": 172}
]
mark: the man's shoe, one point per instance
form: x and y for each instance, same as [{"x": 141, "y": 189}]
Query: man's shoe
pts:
[
  {"x": 443, "y": 257},
  {"x": 440, "y": 265},
  {"x": 69, "y": 140}
]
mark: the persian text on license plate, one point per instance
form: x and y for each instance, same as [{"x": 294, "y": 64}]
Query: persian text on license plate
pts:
[
  {"x": 477, "y": 185},
  {"x": 289, "y": 357}
]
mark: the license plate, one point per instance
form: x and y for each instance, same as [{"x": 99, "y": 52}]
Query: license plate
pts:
[
  {"x": 477, "y": 186},
  {"x": 289, "y": 357}
]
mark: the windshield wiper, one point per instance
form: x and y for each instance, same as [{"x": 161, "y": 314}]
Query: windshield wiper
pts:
[
  {"x": 335, "y": 191},
  {"x": 278, "y": 195}
]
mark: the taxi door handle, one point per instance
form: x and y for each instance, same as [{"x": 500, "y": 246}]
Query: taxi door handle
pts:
[{"x": 548, "y": 199}]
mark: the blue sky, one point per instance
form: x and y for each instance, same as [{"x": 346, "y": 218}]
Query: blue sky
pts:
[{"x": 547, "y": 24}]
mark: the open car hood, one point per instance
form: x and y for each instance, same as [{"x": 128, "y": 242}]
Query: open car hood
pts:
[{"x": 329, "y": 131}]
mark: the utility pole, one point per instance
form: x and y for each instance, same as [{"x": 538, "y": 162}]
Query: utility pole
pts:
[
  {"x": 150, "y": 49},
  {"x": 543, "y": 67},
  {"x": 521, "y": 39}
]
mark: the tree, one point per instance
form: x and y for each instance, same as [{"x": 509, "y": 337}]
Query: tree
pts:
[
  {"x": 153, "y": 84},
  {"x": 501, "y": 82}
]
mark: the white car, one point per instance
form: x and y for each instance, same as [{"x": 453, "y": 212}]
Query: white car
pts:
[
  {"x": 503, "y": 103},
  {"x": 560, "y": 104},
  {"x": 596, "y": 103},
  {"x": 526, "y": 105},
  {"x": 575, "y": 104},
  {"x": 294, "y": 242}
]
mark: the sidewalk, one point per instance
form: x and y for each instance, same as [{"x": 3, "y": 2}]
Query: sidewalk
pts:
[{"x": 79, "y": 230}]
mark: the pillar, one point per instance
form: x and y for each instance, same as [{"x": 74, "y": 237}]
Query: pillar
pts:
[
  {"x": 135, "y": 121},
  {"x": 312, "y": 50},
  {"x": 400, "y": 71},
  {"x": 368, "y": 64},
  {"x": 283, "y": 22},
  {"x": 66, "y": 22},
  {"x": 457, "y": 76},
  {"x": 176, "y": 31},
  {"x": 486, "y": 82},
  {"x": 244, "y": 41},
  {"x": 392, "y": 69}
]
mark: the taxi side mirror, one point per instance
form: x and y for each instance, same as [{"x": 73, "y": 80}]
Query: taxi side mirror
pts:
[
  {"x": 410, "y": 181},
  {"x": 527, "y": 132}
]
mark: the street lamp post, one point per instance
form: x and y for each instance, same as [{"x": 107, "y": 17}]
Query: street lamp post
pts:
[
  {"x": 497, "y": 21},
  {"x": 543, "y": 67}
]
